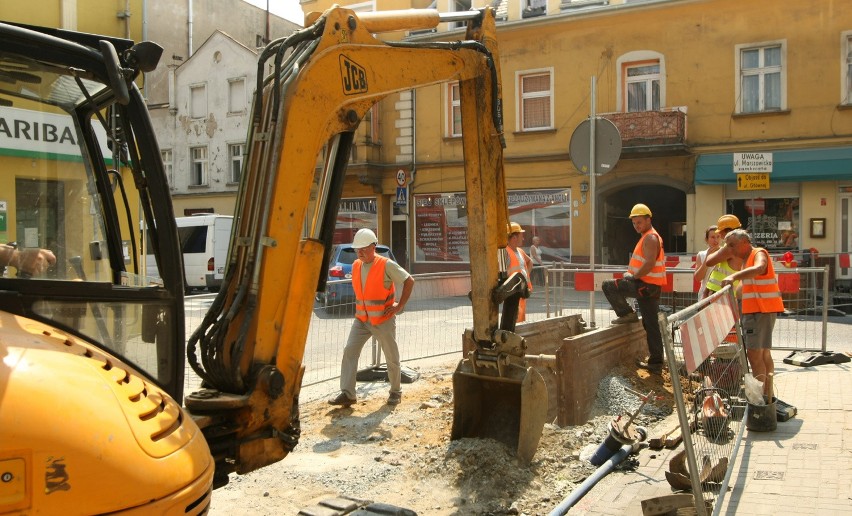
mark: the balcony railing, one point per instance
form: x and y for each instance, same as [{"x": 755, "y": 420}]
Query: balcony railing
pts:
[{"x": 651, "y": 132}]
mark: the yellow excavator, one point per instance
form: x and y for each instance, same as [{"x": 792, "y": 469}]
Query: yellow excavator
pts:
[{"x": 92, "y": 348}]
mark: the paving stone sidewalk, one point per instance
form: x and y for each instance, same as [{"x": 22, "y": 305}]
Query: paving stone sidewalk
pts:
[{"x": 803, "y": 467}]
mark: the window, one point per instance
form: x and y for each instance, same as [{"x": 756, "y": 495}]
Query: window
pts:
[
  {"x": 371, "y": 123},
  {"x": 198, "y": 174},
  {"x": 166, "y": 156},
  {"x": 198, "y": 100},
  {"x": 846, "y": 68},
  {"x": 762, "y": 77},
  {"x": 454, "y": 121},
  {"x": 459, "y": 6},
  {"x": 642, "y": 86},
  {"x": 237, "y": 95},
  {"x": 235, "y": 152},
  {"x": 533, "y": 8},
  {"x": 535, "y": 103}
]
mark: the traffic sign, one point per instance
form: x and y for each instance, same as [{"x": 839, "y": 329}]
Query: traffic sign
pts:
[
  {"x": 401, "y": 196},
  {"x": 607, "y": 146},
  {"x": 401, "y": 178},
  {"x": 753, "y": 181}
]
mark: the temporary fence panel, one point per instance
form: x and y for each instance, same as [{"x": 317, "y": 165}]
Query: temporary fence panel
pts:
[
  {"x": 708, "y": 368},
  {"x": 803, "y": 325}
]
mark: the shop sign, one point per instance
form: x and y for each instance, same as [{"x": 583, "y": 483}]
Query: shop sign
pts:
[{"x": 745, "y": 162}]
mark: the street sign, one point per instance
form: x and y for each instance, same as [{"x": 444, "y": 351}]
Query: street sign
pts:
[
  {"x": 756, "y": 162},
  {"x": 752, "y": 181},
  {"x": 607, "y": 146},
  {"x": 401, "y": 177},
  {"x": 401, "y": 196}
]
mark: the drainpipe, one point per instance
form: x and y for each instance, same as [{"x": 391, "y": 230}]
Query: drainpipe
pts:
[{"x": 189, "y": 28}]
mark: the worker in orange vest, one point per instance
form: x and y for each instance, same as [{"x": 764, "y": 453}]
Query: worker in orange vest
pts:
[
  {"x": 520, "y": 262},
  {"x": 644, "y": 281},
  {"x": 761, "y": 304},
  {"x": 373, "y": 280}
]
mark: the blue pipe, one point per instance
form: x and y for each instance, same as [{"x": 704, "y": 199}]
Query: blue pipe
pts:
[{"x": 590, "y": 482}]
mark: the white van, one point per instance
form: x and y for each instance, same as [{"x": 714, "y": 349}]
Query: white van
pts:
[{"x": 204, "y": 241}]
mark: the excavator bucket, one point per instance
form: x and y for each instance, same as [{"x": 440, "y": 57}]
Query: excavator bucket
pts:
[{"x": 508, "y": 404}]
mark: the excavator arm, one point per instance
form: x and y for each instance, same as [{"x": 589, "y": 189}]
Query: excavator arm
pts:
[{"x": 250, "y": 347}]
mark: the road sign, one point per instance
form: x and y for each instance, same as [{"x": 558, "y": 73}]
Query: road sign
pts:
[
  {"x": 753, "y": 181},
  {"x": 401, "y": 178},
  {"x": 755, "y": 162},
  {"x": 401, "y": 196},
  {"x": 607, "y": 146}
]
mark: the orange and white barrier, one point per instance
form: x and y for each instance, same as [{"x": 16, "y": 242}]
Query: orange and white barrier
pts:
[{"x": 588, "y": 281}]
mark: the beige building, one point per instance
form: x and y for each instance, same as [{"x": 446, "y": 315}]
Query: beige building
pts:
[{"x": 722, "y": 106}]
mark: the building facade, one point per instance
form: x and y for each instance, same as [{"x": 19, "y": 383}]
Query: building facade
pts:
[
  {"x": 199, "y": 103},
  {"x": 721, "y": 107}
]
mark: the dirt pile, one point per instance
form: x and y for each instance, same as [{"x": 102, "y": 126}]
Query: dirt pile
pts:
[{"x": 403, "y": 455}]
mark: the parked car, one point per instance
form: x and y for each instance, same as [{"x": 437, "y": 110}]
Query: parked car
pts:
[{"x": 339, "y": 290}]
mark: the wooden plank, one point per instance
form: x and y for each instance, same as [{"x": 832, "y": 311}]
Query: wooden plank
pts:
[{"x": 666, "y": 504}]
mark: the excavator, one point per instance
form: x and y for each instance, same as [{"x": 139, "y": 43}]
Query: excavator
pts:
[{"x": 92, "y": 351}]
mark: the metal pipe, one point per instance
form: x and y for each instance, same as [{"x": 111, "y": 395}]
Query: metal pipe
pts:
[{"x": 587, "y": 485}]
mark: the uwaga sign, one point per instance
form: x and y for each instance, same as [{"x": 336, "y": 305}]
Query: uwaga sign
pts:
[{"x": 757, "y": 162}]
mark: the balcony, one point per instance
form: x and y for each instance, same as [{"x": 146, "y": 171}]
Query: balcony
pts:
[{"x": 651, "y": 133}]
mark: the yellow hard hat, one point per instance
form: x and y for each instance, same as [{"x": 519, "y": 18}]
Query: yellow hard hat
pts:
[
  {"x": 514, "y": 227},
  {"x": 727, "y": 222},
  {"x": 640, "y": 210}
]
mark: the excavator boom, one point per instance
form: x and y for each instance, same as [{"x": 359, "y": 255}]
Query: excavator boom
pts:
[{"x": 326, "y": 77}]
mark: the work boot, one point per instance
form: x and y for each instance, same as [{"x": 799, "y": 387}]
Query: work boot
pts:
[
  {"x": 395, "y": 398},
  {"x": 651, "y": 368},
  {"x": 627, "y": 318},
  {"x": 341, "y": 400}
]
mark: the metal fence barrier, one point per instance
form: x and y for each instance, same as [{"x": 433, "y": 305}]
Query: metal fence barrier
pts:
[
  {"x": 439, "y": 311},
  {"x": 705, "y": 352}
]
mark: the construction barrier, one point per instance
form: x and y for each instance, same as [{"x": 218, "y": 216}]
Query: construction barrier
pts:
[{"x": 705, "y": 353}]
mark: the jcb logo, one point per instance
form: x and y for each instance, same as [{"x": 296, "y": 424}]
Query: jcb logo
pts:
[{"x": 354, "y": 76}]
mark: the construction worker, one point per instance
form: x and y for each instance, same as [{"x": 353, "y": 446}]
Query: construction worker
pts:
[
  {"x": 644, "y": 281},
  {"x": 520, "y": 262},
  {"x": 761, "y": 304},
  {"x": 373, "y": 280},
  {"x": 724, "y": 225}
]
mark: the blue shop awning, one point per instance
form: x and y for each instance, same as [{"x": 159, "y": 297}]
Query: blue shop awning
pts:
[{"x": 830, "y": 164}]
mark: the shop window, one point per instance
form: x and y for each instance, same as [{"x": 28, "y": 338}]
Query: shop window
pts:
[
  {"x": 773, "y": 224},
  {"x": 440, "y": 224},
  {"x": 762, "y": 77},
  {"x": 353, "y": 214},
  {"x": 535, "y": 99}
]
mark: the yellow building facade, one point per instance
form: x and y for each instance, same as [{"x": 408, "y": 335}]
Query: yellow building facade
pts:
[{"x": 721, "y": 107}]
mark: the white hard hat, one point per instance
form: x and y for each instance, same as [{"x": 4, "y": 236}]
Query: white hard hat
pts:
[{"x": 363, "y": 238}]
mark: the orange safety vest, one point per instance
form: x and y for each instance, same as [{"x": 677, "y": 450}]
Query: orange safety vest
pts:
[
  {"x": 516, "y": 264},
  {"x": 761, "y": 293},
  {"x": 657, "y": 276},
  {"x": 374, "y": 298}
]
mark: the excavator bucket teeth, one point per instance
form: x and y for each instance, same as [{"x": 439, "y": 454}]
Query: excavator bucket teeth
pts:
[{"x": 511, "y": 410}]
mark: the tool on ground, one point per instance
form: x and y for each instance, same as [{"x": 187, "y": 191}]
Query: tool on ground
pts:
[
  {"x": 815, "y": 358},
  {"x": 621, "y": 433}
]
